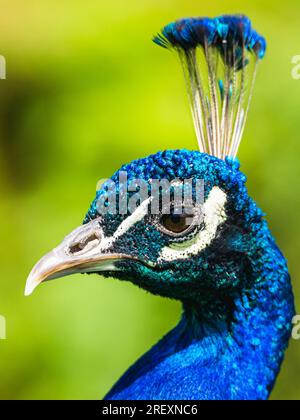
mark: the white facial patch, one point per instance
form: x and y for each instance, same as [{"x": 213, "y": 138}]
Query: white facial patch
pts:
[
  {"x": 128, "y": 223},
  {"x": 214, "y": 216},
  {"x": 134, "y": 218},
  {"x": 89, "y": 239}
]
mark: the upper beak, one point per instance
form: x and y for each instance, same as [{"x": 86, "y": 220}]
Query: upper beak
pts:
[{"x": 82, "y": 251}]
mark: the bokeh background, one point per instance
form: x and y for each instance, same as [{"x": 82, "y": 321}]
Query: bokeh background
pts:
[{"x": 86, "y": 91}]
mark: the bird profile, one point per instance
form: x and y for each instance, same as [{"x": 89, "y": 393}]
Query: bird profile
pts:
[{"x": 180, "y": 224}]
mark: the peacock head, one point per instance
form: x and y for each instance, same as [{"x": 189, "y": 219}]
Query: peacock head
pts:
[
  {"x": 179, "y": 236},
  {"x": 180, "y": 223}
]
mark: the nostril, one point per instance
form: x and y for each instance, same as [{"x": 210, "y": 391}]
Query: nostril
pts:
[
  {"x": 75, "y": 248},
  {"x": 88, "y": 242}
]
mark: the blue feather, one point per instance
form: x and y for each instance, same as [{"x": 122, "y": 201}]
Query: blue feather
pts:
[
  {"x": 235, "y": 289},
  {"x": 235, "y": 328},
  {"x": 191, "y": 32}
]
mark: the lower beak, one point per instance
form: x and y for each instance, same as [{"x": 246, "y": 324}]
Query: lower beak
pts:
[{"x": 83, "y": 251}]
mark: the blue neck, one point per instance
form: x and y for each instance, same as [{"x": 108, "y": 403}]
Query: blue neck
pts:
[{"x": 234, "y": 358}]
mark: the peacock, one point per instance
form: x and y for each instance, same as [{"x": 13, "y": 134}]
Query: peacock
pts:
[{"x": 213, "y": 251}]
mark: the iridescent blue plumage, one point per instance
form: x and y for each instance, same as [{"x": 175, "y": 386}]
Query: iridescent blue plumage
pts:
[
  {"x": 191, "y": 32},
  {"x": 226, "y": 269},
  {"x": 237, "y": 298}
]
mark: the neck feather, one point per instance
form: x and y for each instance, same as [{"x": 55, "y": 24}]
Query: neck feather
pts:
[
  {"x": 251, "y": 340},
  {"x": 232, "y": 357}
]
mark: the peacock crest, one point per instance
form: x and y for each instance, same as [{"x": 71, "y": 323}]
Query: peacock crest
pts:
[{"x": 219, "y": 59}]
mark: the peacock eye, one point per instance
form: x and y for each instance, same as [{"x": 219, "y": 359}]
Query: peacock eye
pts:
[{"x": 175, "y": 224}]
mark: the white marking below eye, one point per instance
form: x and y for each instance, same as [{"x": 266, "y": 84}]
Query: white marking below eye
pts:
[{"x": 214, "y": 216}]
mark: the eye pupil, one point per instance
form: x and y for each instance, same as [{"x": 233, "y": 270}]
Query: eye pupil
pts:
[{"x": 175, "y": 218}]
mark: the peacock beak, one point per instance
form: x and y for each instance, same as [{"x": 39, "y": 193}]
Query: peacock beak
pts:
[{"x": 84, "y": 250}]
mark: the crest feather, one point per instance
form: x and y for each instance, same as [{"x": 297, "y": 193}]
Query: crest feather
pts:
[{"x": 219, "y": 57}]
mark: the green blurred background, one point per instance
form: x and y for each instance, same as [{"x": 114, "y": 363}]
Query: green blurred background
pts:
[{"x": 86, "y": 91}]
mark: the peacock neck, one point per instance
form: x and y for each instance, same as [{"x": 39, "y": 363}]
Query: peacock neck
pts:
[
  {"x": 251, "y": 338},
  {"x": 210, "y": 355}
]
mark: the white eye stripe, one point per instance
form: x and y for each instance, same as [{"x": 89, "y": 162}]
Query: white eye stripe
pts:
[
  {"x": 134, "y": 218},
  {"x": 214, "y": 216},
  {"x": 129, "y": 222}
]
